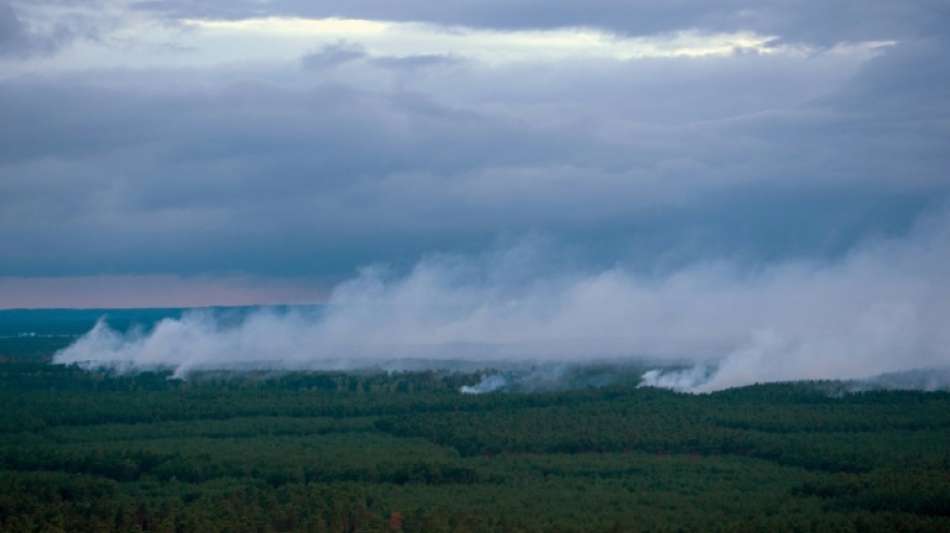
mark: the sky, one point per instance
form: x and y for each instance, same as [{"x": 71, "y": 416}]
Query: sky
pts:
[
  {"x": 186, "y": 153},
  {"x": 737, "y": 191}
]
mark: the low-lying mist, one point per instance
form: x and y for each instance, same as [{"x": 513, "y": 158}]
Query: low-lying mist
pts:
[{"x": 881, "y": 309}]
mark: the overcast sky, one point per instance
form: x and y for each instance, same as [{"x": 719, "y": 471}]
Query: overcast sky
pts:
[{"x": 175, "y": 152}]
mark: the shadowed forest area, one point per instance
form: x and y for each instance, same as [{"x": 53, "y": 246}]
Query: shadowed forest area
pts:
[{"x": 94, "y": 451}]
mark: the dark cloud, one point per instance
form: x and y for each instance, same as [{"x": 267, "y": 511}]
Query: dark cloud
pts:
[
  {"x": 909, "y": 81},
  {"x": 654, "y": 162},
  {"x": 418, "y": 61},
  {"x": 333, "y": 55},
  {"x": 342, "y": 52},
  {"x": 181, "y": 180}
]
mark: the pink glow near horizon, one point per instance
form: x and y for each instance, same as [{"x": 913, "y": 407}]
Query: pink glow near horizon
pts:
[{"x": 150, "y": 291}]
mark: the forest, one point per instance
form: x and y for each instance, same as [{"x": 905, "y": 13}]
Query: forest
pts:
[{"x": 92, "y": 450}]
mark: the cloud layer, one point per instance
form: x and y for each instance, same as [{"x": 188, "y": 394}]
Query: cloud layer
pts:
[
  {"x": 804, "y": 20},
  {"x": 342, "y": 157}
]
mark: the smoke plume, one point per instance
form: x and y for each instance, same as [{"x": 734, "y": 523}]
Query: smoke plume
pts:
[{"x": 883, "y": 308}]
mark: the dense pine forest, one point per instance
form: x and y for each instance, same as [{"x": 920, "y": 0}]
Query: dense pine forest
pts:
[{"x": 379, "y": 451}]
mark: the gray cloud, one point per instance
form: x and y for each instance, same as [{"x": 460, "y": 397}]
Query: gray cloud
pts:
[
  {"x": 821, "y": 23},
  {"x": 418, "y": 61},
  {"x": 42, "y": 35},
  {"x": 343, "y": 52},
  {"x": 11, "y": 29},
  {"x": 16, "y": 39},
  {"x": 657, "y": 162},
  {"x": 333, "y": 55}
]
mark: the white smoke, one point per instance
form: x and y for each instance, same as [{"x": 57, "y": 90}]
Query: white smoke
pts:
[
  {"x": 680, "y": 380},
  {"x": 883, "y": 308},
  {"x": 489, "y": 383}
]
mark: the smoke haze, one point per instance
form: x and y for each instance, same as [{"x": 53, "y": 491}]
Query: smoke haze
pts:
[{"x": 880, "y": 309}]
